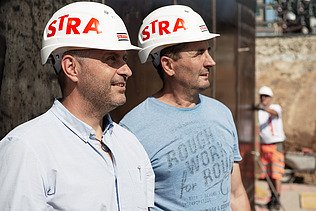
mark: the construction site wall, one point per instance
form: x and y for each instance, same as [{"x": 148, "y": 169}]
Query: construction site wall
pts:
[{"x": 288, "y": 66}]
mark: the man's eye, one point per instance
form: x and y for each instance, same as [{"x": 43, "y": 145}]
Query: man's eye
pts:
[
  {"x": 125, "y": 58},
  {"x": 110, "y": 58},
  {"x": 199, "y": 52}
]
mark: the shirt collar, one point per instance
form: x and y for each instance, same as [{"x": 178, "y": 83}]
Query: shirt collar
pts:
[
  {"x": 80, "y": 128},
  {"x": 108, "y": 124}
]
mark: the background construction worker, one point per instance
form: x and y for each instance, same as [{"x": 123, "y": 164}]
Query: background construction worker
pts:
[
  {"x": 74, "y": 157},
  {"x": 191, "y": 139},
  {"x": 271, "y": 144}
]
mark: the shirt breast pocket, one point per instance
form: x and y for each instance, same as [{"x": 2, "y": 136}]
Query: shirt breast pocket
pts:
[{"x": 138, "y": 176}]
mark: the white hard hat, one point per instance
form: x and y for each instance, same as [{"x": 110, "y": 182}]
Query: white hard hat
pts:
[
  {"x": 84, "y": 25},
  {"x": 170, "y": 25},
  {"x": 264, "y": 90},
  {"x": 290, "y": 16}
]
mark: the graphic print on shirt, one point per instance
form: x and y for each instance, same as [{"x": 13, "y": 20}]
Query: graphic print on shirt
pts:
[{"x": 202, "y": 162}]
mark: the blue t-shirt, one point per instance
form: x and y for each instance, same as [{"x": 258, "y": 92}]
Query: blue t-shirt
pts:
[{"x": 192, "y": 151}]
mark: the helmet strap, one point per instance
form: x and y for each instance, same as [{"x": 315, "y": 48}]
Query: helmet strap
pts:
[
  {"x": 56, "y": 62},
  {"x": 155, "y": 58}
]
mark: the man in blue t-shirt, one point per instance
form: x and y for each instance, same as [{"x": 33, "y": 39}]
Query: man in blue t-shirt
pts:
[{"x": 191, "y": 139}]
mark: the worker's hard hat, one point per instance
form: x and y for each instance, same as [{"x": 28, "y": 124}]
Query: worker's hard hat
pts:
[
  {"x": 167, "y": 26},
  {"x": 84, "y": 25},
  {"x": 290, "y": 16},
  {"x": 264, "y": 90}
]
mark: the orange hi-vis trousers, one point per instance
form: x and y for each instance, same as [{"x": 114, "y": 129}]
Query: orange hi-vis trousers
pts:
[{"x": 272, "y": 161}]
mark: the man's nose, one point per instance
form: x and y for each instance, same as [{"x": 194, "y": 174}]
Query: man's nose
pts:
[
  {"x": 125, "y": 70},
  {"x": 209, "y": 61}
]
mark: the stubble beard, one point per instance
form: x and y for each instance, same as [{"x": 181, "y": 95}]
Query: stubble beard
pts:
[{"x": 101, "y": 99}]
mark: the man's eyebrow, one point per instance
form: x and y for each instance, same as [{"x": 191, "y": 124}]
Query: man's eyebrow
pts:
[{"x": 113, "y": 53}]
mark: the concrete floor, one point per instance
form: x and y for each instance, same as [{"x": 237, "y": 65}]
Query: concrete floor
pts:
[{"x": 294, "y": 197}]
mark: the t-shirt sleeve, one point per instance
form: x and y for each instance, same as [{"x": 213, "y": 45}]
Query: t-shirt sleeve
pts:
[
  {"x": 237, "y": 156},
  {"x": 277, "y": 108}
]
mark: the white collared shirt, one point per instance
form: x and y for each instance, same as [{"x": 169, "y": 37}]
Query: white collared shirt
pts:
[
  {"x": 271, "y": 128},
  {"x": 54, "y": 162}
]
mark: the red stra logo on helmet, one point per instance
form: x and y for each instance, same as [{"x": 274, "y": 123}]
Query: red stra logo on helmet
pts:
[
  {"x": 71, "y": 24},
  {"x": 162, "y": 27}
]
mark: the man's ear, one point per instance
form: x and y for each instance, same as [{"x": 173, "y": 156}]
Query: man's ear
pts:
[
  {"x": 167, "y": 65},
  {"x": 70, "y": 66}
]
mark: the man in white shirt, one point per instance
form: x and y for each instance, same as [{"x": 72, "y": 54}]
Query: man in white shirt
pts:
[
  {"x": 74, "y": 157},
  {"x": 271, "y": 143}
]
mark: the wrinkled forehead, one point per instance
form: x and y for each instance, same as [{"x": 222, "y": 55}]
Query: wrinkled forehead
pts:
[
  {"x": 94, "y": 52},
  {"x": 265, "y": 96},
  {"x": 205, "y": 44},
  {"x": 191, "y": 46}
]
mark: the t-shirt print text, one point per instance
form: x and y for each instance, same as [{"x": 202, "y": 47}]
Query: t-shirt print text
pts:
[{"x": 203, "y": 161}]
